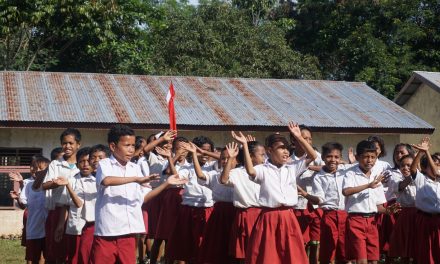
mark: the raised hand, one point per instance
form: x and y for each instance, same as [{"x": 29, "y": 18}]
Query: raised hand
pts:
[
  {"x": 61, "y": 181},
  {"x": 232, "y": 149},
  {"x": 239, "y": 137},
  {"x": 394, "y": 208},
  {"x": 14, "y": 195},
  {"x": 250, "y": 138},
  {"x": 294, "y": 129},
  {"x": 351, "y": 156},
  {"x": 170, "y": 135},
  {"x": 190, "y": 147},
  {"x": 147, "y": 179},
  {"x": 163, "y": 152},
  {"x": 175, "y": 180},
  {"x": 423, "y": 145},
  {"x": 15, "y": 176},
  {"x": 376, "y": 182},
  {"x": 386, "y": 176}
]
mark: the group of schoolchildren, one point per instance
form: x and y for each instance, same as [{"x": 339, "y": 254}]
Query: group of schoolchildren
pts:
[{"x": 277, "y": 202}]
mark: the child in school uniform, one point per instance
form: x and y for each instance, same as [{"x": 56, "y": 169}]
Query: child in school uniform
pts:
[
  {"x": 364, "y": 198},
  {"x": 118, "y": 215},
  {"x": 196, "y": 208},
  {"x": 245, "y": 197},
  {"x": 276, "y": 237},
  {"x": 56, "y": 196},
  {"x": 403, "y": 237},
  {"x": 32, "y": 196},
  {"x": 97, "y": 153},
  {"x": 216, "y": 236},
  {"x": 427, "y": 202},
  {"x": 309, "y": 216},
  {"x": 327, "y": 193}
]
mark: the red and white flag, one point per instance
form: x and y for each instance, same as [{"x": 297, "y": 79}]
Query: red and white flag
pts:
[{"x": 171, "y": 113}]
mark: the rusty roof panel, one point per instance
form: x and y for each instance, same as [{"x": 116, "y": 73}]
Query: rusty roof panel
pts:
[{"x": 200, "y": 101}]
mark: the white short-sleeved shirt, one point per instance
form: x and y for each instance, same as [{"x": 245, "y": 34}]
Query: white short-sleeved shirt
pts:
[
  {"x": 157, "y": 164},
  {"x": 220, "y": 192},
  {"x": 367, "y": 200},
  {"x": 87, "y": 192},
  {"x": 246, "y": 192},
  {"x": 37, "y": 213},
  {"x": 58, "y": 196},
  {"x": 305, "y": 180},
  {"x": 195, "y": 194},
  {"x": 143, "y": 163},
  {"x": 328, "y": 188},
  {"x": 118, "y": 208},
  {"x": 278, "y": 185},
  {"x": 23, "y": 197},
  {"x": 427, "y": 194},
  {"x": 406, "y": 197},
  {"x": 75, "y": 223}
]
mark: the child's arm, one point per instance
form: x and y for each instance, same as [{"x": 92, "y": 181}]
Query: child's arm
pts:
[
  {"x": 389, "y": 210},
  {"x": 422, "y": 147},
  {"x": 374, "y": 184},
  {"x": 311, "y": 198},
  {"x": 16, "y": 176},
  {"x": 172, "y": 180},
  {"x": 48, "y": 182},
  {"x": 117, "y": 180},
  {"x": 169, "y": 135},
  {"x": 59, "y": 231},
  {"x": 76, "y": 200},
  {"x": 197, "y": 168},
  {"x": 296, "y": 132},
  {"x": 211, "y": 154},
  {"x": 351, "y": 156},
  {"x": 171, "y": 162},
  {"x": 232, "y": 149},
  {"x": 16, "y": 196},
  {"x": 247, "y": 156}
]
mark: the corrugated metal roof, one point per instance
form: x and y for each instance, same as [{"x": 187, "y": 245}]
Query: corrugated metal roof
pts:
[
  {"x": 432, "y": 79},
  {"x": 200, "y": 101}
]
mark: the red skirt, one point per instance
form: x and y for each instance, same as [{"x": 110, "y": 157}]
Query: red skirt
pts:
[
  {"x": 216, "y": 237},
  {"x": 304, "y": 219},
  {"x": 333, "y": 236},
  {"x": 385, "y": 225},
  {"x": 186, "y": 239},
  {"x": 276, "y": 238},
  {"x": 244, "y": 222},
  {"x": 428, "y": 238},
  {"x": 152, "y": 208},
  {"x": 403, "y": 238},
  {"x": 54, "y": 251},
  {"x": 171, "y": 201}
]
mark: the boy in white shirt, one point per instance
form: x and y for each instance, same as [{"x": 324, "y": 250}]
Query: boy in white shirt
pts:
[{"x": 118, "y": 215}]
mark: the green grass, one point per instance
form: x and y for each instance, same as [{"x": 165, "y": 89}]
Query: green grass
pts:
[{"x": 11, "y": 251}]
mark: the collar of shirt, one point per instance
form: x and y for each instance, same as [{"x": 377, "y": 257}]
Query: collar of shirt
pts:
[
  {"x": 114, "y": 161},
  {"x": 66, "y": 164}
]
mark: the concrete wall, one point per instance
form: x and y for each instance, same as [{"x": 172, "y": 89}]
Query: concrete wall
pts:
[
  {"x": 12, "y": 222},
  {"x": 425, "y": 103}
]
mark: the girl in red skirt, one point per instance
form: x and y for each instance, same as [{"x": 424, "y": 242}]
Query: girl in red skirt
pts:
[
  {"x": 403, "y": 238},
  {"x": 216, "y": 236},
  {"x": 277, "y": 237},
  {"x": 245, "y": 197},
  {"x": 428, "y": 205}
]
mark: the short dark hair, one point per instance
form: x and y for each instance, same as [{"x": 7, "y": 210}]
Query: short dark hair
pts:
[
  {"x": 381, "y": 143},
  {"x": 408, "y": 148},
  {"x": 252, "y": 146},
  {"x": 274, "y": 138},
  {"x": 406, "y": 157},
  {"x": 138, "y": 142},
  {"x": 71, "y": 132},
  {"x": 365, "y": 146},
  {"x": 118, "y": 131},
  {"x": 82, "y": 152},
  {"x": 330, "y": 146},
  {"x": 55, "y": 152},
  {"x": 304, "y": 127},
  {"x": 39, "y": 160},
  {"x": 98, "y": 148},
  {"x": 202, "y": 140},
  {"x": 424, "y": 162}
]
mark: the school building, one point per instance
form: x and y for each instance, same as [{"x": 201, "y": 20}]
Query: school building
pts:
[{"x": 36, "y": 106}]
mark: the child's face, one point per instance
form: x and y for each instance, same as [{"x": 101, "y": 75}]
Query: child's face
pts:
[
  {"x": 84, "y": 165},
  {"x": 278, "y": 152},
  {"x": 95, "y": 157},
  {"x": 405, "y": 166},
  {"x": 367, "y": 160},
  {"x": 332, "y": 160},
  {"x": 204, "y": 158},
  {"x": 124, "y": 150},
  {"x": 70, "y": 145},
  {"x": 399, "y": 153},
  {"x": 378, "y": 150},
  {"x": 224, "y": 157},
  {"x": 258, "y": 156}
]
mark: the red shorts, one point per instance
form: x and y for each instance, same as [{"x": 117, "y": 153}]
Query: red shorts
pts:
[
  {"x": 361, "y": 238},
  {"x": 333, "y": 236},
  {"x": 34, "y": 249},
  {"x": 315, "y": 225},
  {"x": 244, "y": 222},
  {"x": 428, "y": 238},
  {"x": 54, "y": 251},
  {"x": 85, "y": 245},
  {"x": 403, "y": 238},
  {"x": 171, "y": 201},
  {"x": 216, "y": 237},
  {"x": 118, "y": 249},
  {"x": 72, "y": 248},
  {"x": 276, "y": 238},
  {"x": 186, "y": 239}
]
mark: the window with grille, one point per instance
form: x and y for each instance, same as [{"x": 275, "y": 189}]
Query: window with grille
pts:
[{"x": 18, "y": 156}]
